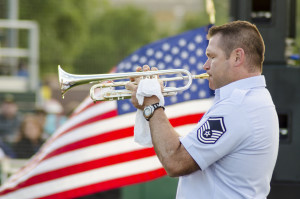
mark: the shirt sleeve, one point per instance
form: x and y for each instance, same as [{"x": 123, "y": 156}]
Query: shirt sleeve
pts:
[{"x": 216, "y": 135}]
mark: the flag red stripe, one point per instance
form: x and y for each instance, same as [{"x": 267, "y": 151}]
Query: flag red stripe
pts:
[
  {"x": 82, "y": 167},
  {"x": 187, "y": 119},
  {"x": 111, "y": 184}
]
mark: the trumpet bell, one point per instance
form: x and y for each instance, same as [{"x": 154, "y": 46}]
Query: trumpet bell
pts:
[{"x": 68, "y": 81}]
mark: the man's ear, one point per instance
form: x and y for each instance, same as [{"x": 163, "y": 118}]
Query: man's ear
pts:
[{"x": 238, "y": 56}]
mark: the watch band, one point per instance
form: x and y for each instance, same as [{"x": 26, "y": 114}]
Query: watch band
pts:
[{"x": 156, "y": 106}]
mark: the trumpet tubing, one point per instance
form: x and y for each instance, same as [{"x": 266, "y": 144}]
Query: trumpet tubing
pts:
[
  {"x": 68, "y": 81},
  {"x": 123, "y": 83}
]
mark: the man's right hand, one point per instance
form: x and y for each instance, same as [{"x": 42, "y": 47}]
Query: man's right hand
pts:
[{"x": 133, "y": 85}]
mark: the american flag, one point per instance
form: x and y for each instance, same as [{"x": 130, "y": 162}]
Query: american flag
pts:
[{"x": 94, "y": 150}]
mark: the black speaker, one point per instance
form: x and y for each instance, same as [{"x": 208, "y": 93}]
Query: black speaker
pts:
[
  {"x": 275, "y": 19},
  {"x": 283, "y": 83}
]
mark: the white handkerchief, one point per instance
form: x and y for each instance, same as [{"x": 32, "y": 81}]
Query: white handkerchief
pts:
[{"x": 146, "y": 88}]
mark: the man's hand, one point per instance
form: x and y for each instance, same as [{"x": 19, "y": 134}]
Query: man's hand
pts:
[{"x": 133, "y": 85}]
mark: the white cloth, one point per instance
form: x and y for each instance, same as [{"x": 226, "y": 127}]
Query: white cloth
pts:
[{"x": 146, "y": 88}]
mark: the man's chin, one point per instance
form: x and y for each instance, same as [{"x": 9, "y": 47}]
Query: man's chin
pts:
[{"x": 211, "y": 86}]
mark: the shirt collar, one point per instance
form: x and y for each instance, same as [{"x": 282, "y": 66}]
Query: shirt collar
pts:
[{"x": 244, "y": 84}]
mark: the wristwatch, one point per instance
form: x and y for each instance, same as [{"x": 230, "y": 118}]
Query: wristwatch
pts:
[{"x": 149, "y": 110}]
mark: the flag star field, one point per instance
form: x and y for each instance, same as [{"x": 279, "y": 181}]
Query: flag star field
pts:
[{"x": 184, "y": 51}]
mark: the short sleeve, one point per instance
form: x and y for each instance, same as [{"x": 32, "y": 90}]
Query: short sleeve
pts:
[{"x": 216, "y": 135}]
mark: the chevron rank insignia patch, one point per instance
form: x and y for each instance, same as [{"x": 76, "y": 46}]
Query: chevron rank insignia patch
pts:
[{"x": 211, "y": 130}]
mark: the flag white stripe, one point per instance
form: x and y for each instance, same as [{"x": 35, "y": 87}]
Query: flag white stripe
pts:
[
  {"x": 83, "y": 105},
  {"x": 86, "y": 178},
  {"x": 189, "y": 107},
  {"x": 185, "y": 129}
]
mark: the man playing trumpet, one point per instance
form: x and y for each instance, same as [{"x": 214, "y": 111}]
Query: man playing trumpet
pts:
[{"x": 231, "y": 152}]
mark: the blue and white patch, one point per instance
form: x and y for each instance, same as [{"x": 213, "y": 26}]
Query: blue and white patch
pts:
[{"x": 211, "y": 130}]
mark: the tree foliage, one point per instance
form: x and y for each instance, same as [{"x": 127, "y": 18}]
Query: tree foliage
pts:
[
  {"x": 116, "y": 33},
  {"x": 193, "y": 20},
  {"x": 93, "y": 36},
  {"x": 86, "y": 36},
  {"x": 63, "y": 28}
]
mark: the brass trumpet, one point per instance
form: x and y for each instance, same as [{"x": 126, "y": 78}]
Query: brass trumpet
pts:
[{"x": 105, "y": 82}]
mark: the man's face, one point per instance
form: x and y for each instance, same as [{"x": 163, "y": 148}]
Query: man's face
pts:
[{"x": 217, "y": 66}]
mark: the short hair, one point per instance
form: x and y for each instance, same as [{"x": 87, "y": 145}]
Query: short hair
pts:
[{"x": 241, "y": 34}]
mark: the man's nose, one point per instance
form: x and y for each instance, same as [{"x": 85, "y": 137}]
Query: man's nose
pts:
[{"x": 206, "y": 66}]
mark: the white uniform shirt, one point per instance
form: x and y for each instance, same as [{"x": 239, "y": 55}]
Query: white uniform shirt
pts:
[{"x": 235, "y": 144}]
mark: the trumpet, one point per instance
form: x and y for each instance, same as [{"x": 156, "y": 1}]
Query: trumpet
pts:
[{"x": 106, "y": 82}]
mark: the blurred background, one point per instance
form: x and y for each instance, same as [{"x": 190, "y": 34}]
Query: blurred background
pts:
[
  {"x": 93, "y": 36},
  {"x": 84, "y": 37}
]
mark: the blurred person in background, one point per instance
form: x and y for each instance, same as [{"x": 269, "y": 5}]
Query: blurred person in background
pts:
[
  {"x": 55, "y": 116},
  {"x": 6, "y": 151},
  {"x": 22, "y": 70},
  {"x": 30, "y": 137},
  {"x": 10, "y": 118},
  {"x": 41, "y": 115}
]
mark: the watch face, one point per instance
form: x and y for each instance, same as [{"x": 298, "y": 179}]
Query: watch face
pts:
[{"x": 147, "y": 111}]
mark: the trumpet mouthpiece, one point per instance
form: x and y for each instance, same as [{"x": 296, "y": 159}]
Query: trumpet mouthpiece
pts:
[{"x": 202, "y": 76}]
